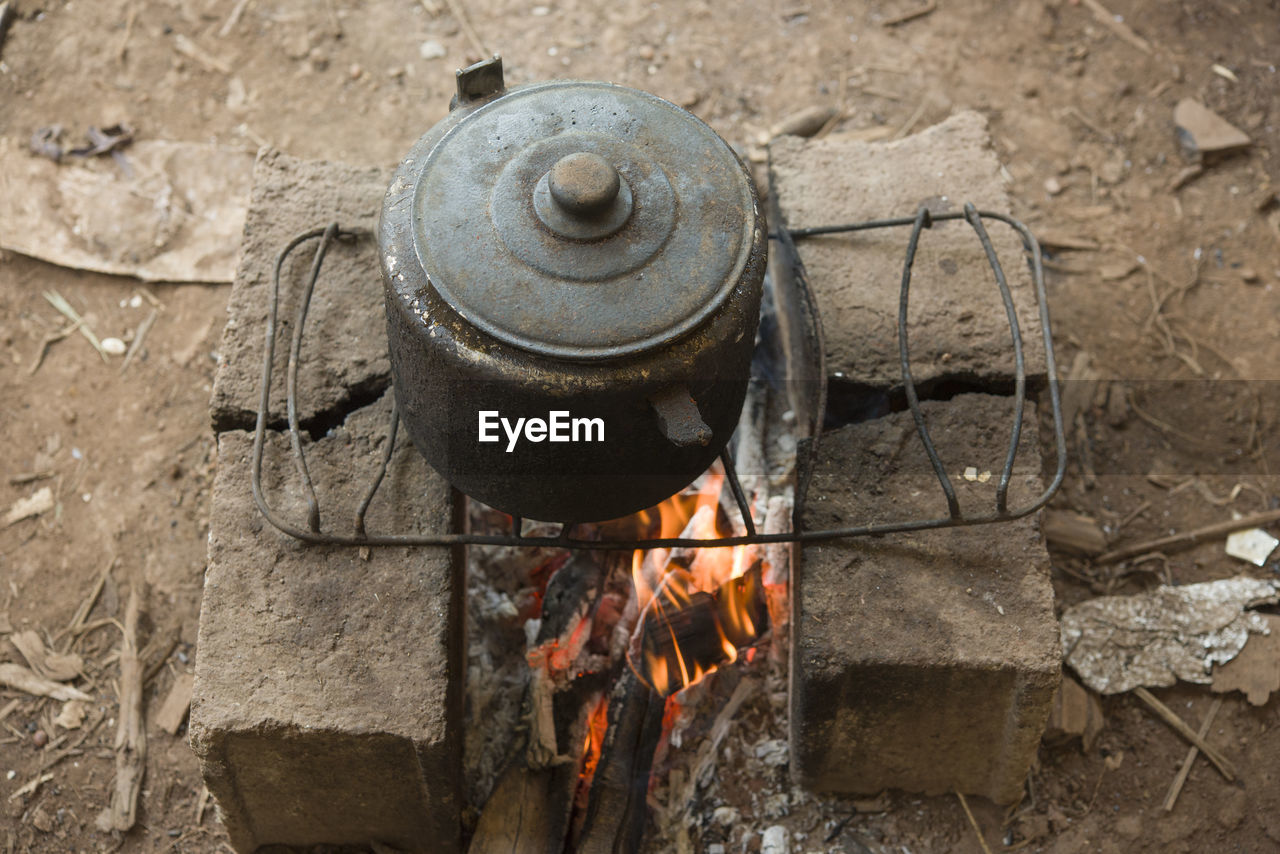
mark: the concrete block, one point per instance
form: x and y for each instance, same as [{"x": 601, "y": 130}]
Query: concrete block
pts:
[
  {"x": 925, "y": 662},
  {"x": 345, "y": 349},
  {"x": 329, "y": 687},
  {"x": 957, "y": 321}
]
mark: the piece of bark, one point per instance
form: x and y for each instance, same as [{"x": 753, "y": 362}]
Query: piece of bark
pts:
[
  {"x": 19, "y": 677},
  {"x": 173, "y": 711},
  {"x": 1073, "y": 532},
  {"x": 1256, "y": 670},
  {"x": 526, "y": 814},
  {"x": 1075, "y": 713},
  {"x": 131, "y": 735}
]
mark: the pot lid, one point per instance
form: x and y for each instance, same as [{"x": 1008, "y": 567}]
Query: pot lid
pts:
[{"x": 583, "y": 220}]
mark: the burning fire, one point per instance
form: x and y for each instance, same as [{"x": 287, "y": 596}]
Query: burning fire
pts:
[{"x": 698, "y": 607}]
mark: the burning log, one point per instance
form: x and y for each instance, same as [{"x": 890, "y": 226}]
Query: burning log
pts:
[{"x": 686, "y": 633}]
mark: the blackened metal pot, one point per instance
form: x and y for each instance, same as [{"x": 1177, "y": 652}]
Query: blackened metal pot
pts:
[{"x": 573, "y": 274}]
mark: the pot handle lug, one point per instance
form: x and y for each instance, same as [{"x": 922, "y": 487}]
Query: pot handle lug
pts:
[
  {"x": 479, "y": 81},
  {"x": 679, "y": 418}
]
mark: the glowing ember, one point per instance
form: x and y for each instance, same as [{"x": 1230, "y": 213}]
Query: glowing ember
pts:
[{"x": 698, "y": 606}]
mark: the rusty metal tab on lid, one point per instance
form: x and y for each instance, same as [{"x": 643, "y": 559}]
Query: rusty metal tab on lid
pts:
[{"x": 583, "y": 220}]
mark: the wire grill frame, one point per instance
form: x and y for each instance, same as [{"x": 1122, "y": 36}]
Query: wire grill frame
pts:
[{"x": 922, "y": 220}]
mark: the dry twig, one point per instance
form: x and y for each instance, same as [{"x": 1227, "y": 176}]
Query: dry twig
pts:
[
  {"x": 928, "y": 7},
  {"x": 82, "y": 613},
  {"x": 455, "y": 8},
  {"x": 1189, "y": 538},
  {"x": 188, "y": 48},
  {"x": 56, "y": 300},
  {"x": 1192, "y": 751},
  {"x": 31, "y": 785},
  {"x": 974, "y": 822},
  {"x": 49, "y": 340},
  {"x": 143, "y": 328},
  {"x": 234, "y": 18},
  {"x": 1117, "y": 26},
  {"x": 123, "y": 50},
  {"x": 131, "y": 734},
  {"x": 1179, "y": 725}
]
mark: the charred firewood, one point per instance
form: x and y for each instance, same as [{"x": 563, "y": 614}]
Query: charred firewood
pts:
[
  {"x": 531, "y": 805},
  {"x": 616, "y": 806}
]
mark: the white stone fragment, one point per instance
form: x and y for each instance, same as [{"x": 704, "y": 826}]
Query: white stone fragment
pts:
[
  {"x": 432, "y": 50},
  {"x": 114, "y": 346},
  {"x": 1254, "y": 545},
  {"x": 775, "y": 840},
  {"x": 773, "y": 751}
]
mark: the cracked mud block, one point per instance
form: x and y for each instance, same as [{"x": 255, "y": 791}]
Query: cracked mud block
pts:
[
  {"x": 344, "y": 352},
  {"x": 926, "y": 661},
  {"x": 328, "y": 688},
  {"x": 957, "y": 323}
]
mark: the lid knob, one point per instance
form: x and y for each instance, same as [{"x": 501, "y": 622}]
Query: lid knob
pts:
[{"x": 583, "y": 183}]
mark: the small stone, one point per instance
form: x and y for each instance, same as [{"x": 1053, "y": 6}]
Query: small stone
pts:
[
  {"x": 1053, "y": 186},
  {"x": 355, "y": 71},
  {"x": 113, "y": 346},
  {"x": 40, "y": 738},
  {"x": 1202, "y": 131},
  {"x": 1129, "y": 826},
  {"x": 645, "y": 52},
  {"x": 432, "y": 50},
  {"x": 42, "y": 820},
  {"x": 541, "y": 11},
  {"x": 1248, "y": 274}
]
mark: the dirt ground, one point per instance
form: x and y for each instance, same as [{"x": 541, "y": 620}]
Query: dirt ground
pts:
[{"x": 1172, "y": 298}]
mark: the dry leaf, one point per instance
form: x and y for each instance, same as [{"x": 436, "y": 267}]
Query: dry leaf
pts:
[
  {"x": 57, "y": 666},
  {"x": 1118, "y": 643},
  {"x": 24, "y": 508},
  {"x": 1256, "y": 670},
  {"x": 72, "y": 714},
  {"x": 19, "y": 677}
]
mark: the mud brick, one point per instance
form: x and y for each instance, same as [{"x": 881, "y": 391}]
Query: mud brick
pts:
[
  {"x": 925, "y": 661},
  {"x": 345, "y": 348},
  {"x": 328, "y": 691},
  {"x": 957, "y": 323}
]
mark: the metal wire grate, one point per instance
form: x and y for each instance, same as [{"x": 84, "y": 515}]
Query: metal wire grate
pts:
[{"x": 922, "y": 220}]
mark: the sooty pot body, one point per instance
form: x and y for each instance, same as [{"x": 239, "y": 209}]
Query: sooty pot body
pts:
[{"x": 572, "y": 275}]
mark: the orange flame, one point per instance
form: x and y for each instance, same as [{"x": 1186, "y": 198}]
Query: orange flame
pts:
[
  {"x": 593, "y": 746},
  {"x": 697, "y": 607}
]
